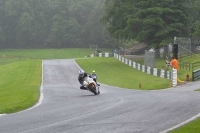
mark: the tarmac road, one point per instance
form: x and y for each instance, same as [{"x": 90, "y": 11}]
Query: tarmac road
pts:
[{"x": 67, "y": 109}]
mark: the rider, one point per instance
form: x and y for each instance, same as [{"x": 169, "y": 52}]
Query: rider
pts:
[
  {"x": 81, "y": 77},
  {"x": 94, "y": 75}
]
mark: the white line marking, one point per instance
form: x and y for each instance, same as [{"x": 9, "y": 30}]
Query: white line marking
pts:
[
  {"x": 41, "y": 93},
  {"x": 84, "y": 115},
  {"x": 181, "y": 124}
]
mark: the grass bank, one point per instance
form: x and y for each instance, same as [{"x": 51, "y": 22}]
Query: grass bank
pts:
[
  {"x": 113, "y": 72},
  {"x": 65, "y": 53},
  {"x": 192, "y": 127},
  {"x": 19, "y": 85}
]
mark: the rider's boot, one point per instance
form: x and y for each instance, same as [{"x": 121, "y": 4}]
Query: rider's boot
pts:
[{"x": 83, "y": 88}]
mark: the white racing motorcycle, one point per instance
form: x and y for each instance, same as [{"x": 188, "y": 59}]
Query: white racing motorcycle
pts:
[{"x": 91, "y": 85}]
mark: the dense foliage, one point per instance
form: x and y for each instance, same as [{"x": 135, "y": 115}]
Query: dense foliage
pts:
[
  {"x": 52, "y": 23},
  {"x": 76, "y": 23},
  {"x": 153, "y": 22}
]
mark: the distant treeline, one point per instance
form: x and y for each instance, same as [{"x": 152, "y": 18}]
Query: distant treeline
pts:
[{"x": 52, "y": 23}]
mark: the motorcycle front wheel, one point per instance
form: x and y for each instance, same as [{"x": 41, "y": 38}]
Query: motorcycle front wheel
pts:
[{"x": 93, "y": 90}]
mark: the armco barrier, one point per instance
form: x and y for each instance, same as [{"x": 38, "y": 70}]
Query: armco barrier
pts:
[
  {"x": 196, "y": 75},
  {"x": 102, "y": 55},
  {"x": 153, "y": 71}
]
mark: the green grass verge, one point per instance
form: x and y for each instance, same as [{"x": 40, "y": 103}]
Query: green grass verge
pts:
[
  {"x": 19, "y": 85},
  {"x": 65, "y": 53},
  {"x": 113, "y": 72},
  {"x": 192, "y": 127}
]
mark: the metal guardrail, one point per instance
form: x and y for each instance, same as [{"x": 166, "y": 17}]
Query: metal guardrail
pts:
[
  {"x": 185, "y": 65},
  {"x": 189, "y": 66},
  {"x": 196, "y": 64},
  {"x": 196, "y": 75}
]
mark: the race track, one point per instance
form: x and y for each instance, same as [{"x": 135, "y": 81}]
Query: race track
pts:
[{"x": 67, "y": 109}]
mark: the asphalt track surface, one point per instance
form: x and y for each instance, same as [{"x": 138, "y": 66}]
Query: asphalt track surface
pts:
[{"x": 64, "y": 108}]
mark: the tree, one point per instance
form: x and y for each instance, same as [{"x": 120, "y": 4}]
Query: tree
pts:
[
  {"x": 24, "y": 28},
  {"x": 2, "y": 12},
  {"x": 196, "y": 29},
  {"x": 194, "y": 6},
  {"x": 152, "y": 22},
  {"x": 52, "y": 23}
]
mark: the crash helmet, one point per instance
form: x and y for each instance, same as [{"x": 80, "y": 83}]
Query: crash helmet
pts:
[{"x": 81, "y": 73}]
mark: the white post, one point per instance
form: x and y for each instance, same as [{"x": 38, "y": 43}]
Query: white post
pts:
[
  {"x": 162, "y": 73},
  {"x": 138, "y": 65},
  {"x": 143, "y": 68},
  {"x": 174, "y": 40},
  {"x": 155, "y": 71},
  {"x": 134, "y": 64},
  {"x": 148, "y": 70},
  {"x": 130, "y": 62},
  {"x": 174, "y": 77},
  {"x": 106, "y": 54},
  {"x": 100, "y": 54}
]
